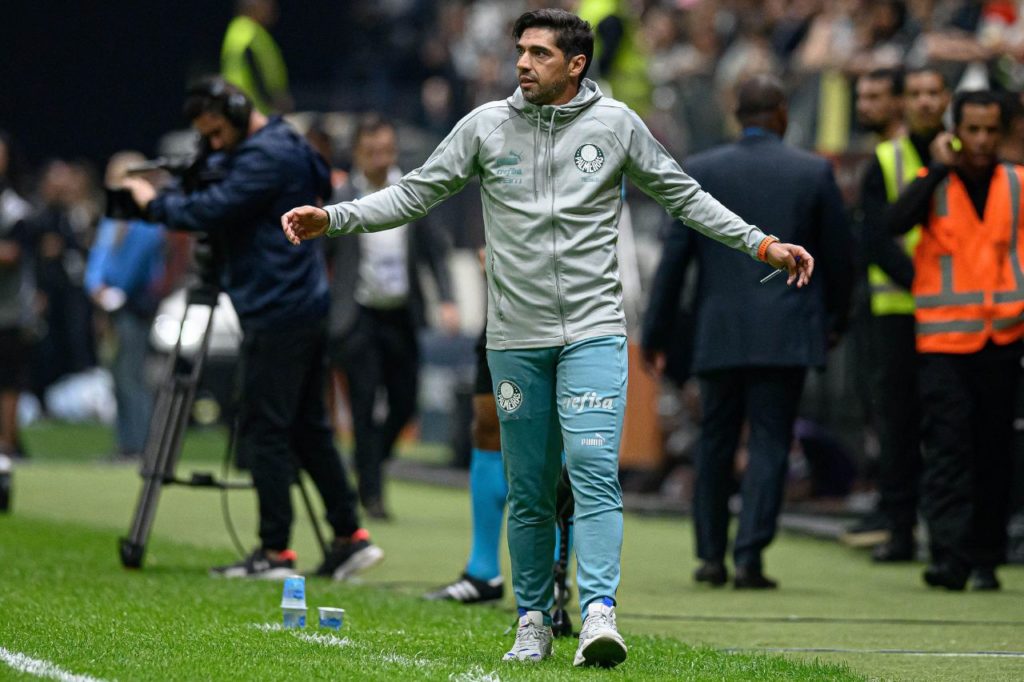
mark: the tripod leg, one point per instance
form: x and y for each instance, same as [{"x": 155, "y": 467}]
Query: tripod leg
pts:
[
  {"x": 163, "y": 443},
  {"x": 159, "y": 459},
  {"x": 308, "y": 503},
  {"x": 561, "y": 623}
]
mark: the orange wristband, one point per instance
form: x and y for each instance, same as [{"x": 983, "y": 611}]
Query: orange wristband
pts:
[{"x": 762, "y": 249}]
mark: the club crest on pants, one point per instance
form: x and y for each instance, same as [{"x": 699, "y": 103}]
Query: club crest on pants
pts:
[{"x": 509, "y": 397}]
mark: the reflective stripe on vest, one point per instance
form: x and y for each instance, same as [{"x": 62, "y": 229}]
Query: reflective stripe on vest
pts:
[
  {"x": 987, "y": 260},
  {"x": 899, "y": 162}
]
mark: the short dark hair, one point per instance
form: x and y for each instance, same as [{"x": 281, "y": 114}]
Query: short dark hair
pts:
[
  {"x": 368, "y": 124},
  {"x": 926, "y": 68},
  {"x": 759, "y": 96},
  {"x": 214, "y": 95},
  {"x": 573, "y": 35},
  {"x": 893, "y": 75},
  {"x": 979, "y": 97}
]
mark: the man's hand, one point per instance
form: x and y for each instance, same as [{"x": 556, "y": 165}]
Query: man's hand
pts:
[
  {"x": 795, "y": 259},
  {"x": 142, "y": 190},
  {"x": 448, "y": 314},
  {"x": 945, "y": 149},
  {"x": 654, "y": 361},
  {"x": 305, "y": 222}
]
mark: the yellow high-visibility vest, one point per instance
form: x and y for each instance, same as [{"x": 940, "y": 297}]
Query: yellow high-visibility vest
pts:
[
  {"x": 900, "y": 163},
  {"x": 245, "y": 33},
  {"x": 628, "y": 80}
]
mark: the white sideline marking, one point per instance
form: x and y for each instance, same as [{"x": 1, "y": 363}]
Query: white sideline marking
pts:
[
  {"x": 326, "y": 640},
  {"x": 475, "y": 674},
  {"x": 40, "y": 668},
  {"x": 405, "y": 661},
  {"x": 384, "y": 657}
]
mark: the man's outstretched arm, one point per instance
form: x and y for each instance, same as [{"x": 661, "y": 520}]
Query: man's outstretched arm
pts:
[
  {"x": 446, "y": 172},
  {"x": 655, "y": 172}
]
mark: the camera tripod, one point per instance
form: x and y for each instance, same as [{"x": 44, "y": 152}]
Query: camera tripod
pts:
[{"x": 166, "y": 430}]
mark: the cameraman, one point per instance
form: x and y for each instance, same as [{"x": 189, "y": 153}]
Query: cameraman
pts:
[{"x": 281, "y": 297}]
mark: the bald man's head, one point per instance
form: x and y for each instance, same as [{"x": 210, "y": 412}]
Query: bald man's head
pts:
[{"x": 761, "y": 101}]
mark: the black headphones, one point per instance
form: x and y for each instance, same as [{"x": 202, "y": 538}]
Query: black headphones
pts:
[{"x": 235, "y": 106}]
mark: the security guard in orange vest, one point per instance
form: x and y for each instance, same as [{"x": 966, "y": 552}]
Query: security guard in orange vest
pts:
[
  {"x": 969, "y": 297},
  {"x": 894, "y": 385}
]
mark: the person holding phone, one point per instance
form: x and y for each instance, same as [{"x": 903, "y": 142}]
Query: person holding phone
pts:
[{"x": 968, "y": 289}]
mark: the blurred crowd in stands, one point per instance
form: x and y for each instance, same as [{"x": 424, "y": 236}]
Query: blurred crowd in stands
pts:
[{"x": 424, "y": 64}]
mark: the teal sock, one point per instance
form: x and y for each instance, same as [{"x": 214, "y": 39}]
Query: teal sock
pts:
[{"x": 487, "y": 492}]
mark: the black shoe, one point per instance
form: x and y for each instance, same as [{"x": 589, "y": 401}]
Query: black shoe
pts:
[
  {"x": 259, "y": 565},
  {"x": 897, "y": 549},
  {"x": 349, "y": 558},
  {"x": 946, "y": 574},
  {"x": 983, "y": 579},
  {"x": 711, "y": 572},
  {"x": 469, "y": 590},
  {"x": 752, "y": 579},
  {"x": 375, "y": 509}
]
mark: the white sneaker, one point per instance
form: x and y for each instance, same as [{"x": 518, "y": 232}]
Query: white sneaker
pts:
[
  {"x": 600, "y": 641},
  {"x": 533, "y": 639}
]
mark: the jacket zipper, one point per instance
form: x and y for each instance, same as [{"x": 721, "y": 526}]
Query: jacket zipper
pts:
[{"x": 554, "y": 240}]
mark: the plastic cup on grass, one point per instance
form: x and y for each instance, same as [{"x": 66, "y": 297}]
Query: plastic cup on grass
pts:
[
  {"x": 293, "y": 618},
  {"x": 293, "y": 602},
  {"x": 331, "y": 617}
]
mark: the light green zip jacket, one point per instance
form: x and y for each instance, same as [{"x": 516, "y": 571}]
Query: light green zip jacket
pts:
[{"x": 551, "y": 184}]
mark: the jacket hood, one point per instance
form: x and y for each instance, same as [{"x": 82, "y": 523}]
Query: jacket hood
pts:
[
  {"x": 278, "y": 137},
  {"x": 557, "y": 115},
  {"x": 546, "y": 119}
]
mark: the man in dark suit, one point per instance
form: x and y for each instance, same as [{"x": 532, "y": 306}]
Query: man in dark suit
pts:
[
  {"x": 377, "y": 307},
  {"x": 753, "y": 341}
]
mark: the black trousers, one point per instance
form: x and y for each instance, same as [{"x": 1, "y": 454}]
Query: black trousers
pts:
[
  {"x": 968, "y": 405},
  {"x": 283, "y": 423},
  {"x": 379, "y": 353},
  {"x": 896, "y": 402},
  {"x": 767, "y": 399}
]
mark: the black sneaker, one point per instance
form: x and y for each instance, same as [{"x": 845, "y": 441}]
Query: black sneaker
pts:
[
  {"x": 259, "y": 565},
  {"x": 376, "y": 510},
  {"x": 983, "y": 578},
  {"x": 711, "y": 572},
  {"x": 898, "y": 548},
  {"x": 349, "y": 558},
  {"x": 949, "y": 574},
  {"x": 469, "y": 590}
]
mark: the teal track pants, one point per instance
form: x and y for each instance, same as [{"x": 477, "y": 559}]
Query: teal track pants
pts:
[{"x": 548, "y": 398}]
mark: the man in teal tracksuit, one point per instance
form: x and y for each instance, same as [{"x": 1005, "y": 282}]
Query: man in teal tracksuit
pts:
[{"x": 550, "y": 160}]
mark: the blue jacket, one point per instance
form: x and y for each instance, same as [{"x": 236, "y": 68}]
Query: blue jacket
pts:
[
  {"x": 269, "y": 280},
  {"x": 130, "y": 257},
  {"x": 738, "y": 321}
]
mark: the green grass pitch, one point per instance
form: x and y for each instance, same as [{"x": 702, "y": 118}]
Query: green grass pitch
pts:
[{"x": 68, "y": 609}]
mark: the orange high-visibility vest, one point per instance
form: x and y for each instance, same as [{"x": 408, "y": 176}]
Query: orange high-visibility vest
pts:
[{"x": 968, "y": 277}]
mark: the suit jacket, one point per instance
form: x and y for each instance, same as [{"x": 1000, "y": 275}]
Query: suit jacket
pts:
[
  {"x": 427, "y": 244},
  {"x": 740, "y": 322}
]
